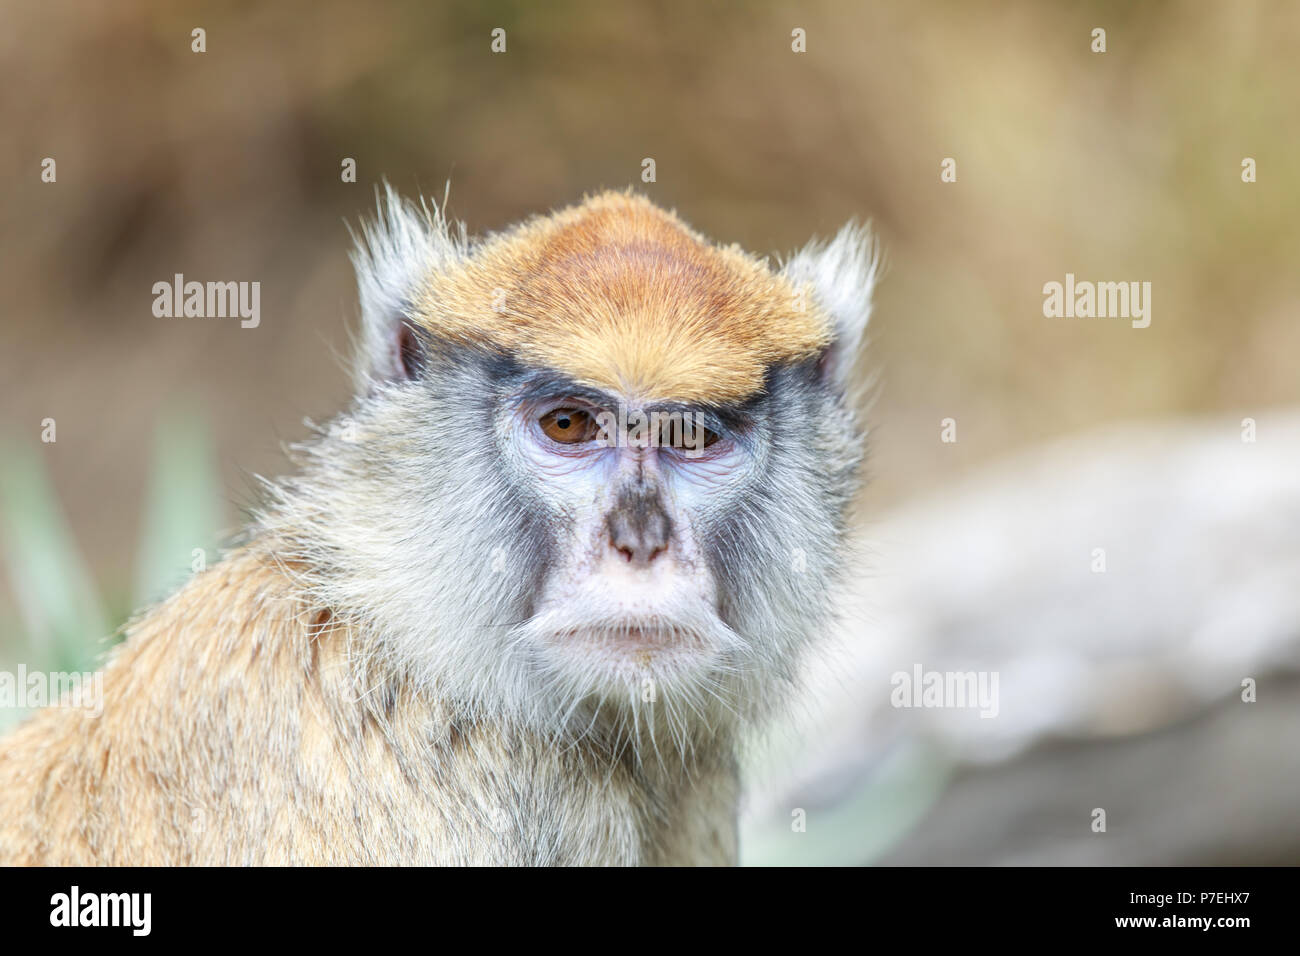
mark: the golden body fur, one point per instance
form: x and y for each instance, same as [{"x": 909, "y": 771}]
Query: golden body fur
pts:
[{"x": 237, "y": 732}]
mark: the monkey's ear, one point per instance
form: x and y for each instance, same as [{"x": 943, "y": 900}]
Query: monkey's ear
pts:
[
  {"x": 394, "y": 255},
  {"x": 842, "y": 276}
]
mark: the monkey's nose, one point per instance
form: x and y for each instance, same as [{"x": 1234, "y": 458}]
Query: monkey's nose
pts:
[{"x": 639, "y": 538}]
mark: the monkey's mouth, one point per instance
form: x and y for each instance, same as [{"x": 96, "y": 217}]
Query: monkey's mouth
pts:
[
  {"x": 678, "y": 639},
  {"x": 635, "y": 636}
]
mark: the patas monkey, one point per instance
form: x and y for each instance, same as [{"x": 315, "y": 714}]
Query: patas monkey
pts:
[{"x": 503, "y": 614}]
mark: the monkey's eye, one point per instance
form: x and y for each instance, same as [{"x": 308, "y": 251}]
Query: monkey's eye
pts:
[
  {"x": 568, "y": 425},
  {"x": 685, "y": 433}
]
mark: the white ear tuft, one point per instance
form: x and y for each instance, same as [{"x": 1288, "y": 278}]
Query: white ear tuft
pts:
[
  {"x": 393, "y": 256},
  {"x": 842, "y": 274}
]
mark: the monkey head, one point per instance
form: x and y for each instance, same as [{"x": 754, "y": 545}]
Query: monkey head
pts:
[{"x": 597, "y": 470}]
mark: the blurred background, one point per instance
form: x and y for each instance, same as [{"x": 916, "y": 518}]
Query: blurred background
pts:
[{"x": 1120, "y": 690}]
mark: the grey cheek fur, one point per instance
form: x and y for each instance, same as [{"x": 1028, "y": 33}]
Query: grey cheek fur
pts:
[{"x": 777, "y": 549}]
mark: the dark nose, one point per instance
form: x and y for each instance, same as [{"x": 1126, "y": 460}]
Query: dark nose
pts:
[{"x": 639, "y": 527}]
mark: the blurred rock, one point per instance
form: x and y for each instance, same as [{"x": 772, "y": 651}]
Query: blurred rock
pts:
[{"x": 1120, "y": 689}]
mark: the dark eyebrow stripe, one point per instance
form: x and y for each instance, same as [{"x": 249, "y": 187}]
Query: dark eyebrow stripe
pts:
[
  {"x": 551, "y": 384},
  {"x": 554, "y": 385}
]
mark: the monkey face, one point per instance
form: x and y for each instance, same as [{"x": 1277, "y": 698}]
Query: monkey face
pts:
[
  {"x": 629, "y": 598},
  {"x": 689, "y": 546}
]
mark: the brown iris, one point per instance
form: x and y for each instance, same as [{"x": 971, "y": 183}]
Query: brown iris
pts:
[
  {"x": 568, "y": 425},
  {"x": 685, "y": 433}
]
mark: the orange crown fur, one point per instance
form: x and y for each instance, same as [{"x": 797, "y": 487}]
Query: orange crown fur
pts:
[{"x": 623, "y": 296}]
